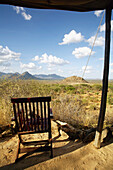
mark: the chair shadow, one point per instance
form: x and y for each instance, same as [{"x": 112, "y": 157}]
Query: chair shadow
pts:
[{"x": 37, "y": 158}]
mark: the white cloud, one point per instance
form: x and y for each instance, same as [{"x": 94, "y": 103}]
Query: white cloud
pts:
[
  {"x": 40, "y": 67},
  {"x": 36, "y": 58},
  {"x": 102, "y": 27},
  {"x": 88, "y": 69},
  {"x": 60, "y": 71},
  {"x": 97, "y": 13},
  {"x": 27, "y": 66},
  {"x": 8, "y": 58},
  {"x": 22, "y": 11},
  {"x": 99, "y": 41},
  {"x": 72, "y": 37},
  {"x": 50, "y": 69},
  {"x": 4, "y": 63},
  {"x": 82, "y": 52},
  {"x": 53, "y": 60},
  {"x": 17, "y": 9},
  {"x": 7, "y": 55},
  {"x": 30, "y": 66},
  {"x": 26, "y": 16}
]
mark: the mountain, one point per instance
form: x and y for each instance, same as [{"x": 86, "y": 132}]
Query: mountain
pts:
[
  {"x": 2, "y": 74},
  {"x": 13, "y": 76},
  {"x": 49, "y": 77},
  {"x": 17, "y": 76},
  {"x": 27, "y": 76},
  {"x": 5, "y": 75}
]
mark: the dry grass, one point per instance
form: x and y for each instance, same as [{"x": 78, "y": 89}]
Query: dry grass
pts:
[{"x": 78, "y": 104}]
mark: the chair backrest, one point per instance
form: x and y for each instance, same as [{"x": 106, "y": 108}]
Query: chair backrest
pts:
[{"x": 32, "y": 114}]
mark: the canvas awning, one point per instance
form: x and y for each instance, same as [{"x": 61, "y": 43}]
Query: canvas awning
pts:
[{"x": 71, "y": 5}]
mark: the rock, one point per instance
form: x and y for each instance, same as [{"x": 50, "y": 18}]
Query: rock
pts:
[
  {"x": 89, "y": 137},
  {"x": 81, "y": 134},
  {"x": 72, "y": 132},
  {"x": 3, "y": 128},
  {"x": 91, "y": 130},
  {"x": 6, "y": 133}
]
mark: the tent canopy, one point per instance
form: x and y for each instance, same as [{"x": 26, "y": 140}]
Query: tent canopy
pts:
[{"x": 71, "y": 5}]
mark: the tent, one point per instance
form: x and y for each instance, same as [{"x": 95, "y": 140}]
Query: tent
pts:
[
  {"x": 72, "y": 5},
  {"x": 81, "y": 6}
]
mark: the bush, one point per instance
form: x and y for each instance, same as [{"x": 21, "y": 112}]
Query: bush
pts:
[
  {"x": 110, "y": 99},
  {"x": 97, "y": 87},
  {"x": 76, "y": 104}
]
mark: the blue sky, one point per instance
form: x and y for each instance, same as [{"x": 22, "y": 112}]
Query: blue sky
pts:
[{"x": 52, "y": 42}]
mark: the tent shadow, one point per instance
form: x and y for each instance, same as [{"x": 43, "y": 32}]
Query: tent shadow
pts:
[
  {"x": 103, "y": 144},
  {"x": 32, "y": 159}
]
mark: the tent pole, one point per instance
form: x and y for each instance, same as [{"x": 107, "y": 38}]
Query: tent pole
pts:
[{"x": 97, "y": 141}]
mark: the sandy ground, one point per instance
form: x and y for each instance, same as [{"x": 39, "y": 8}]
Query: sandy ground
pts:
[{"x": 68, "y": 155}]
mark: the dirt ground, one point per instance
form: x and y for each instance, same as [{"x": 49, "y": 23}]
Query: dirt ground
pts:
[{"x": 68, "y": 155}]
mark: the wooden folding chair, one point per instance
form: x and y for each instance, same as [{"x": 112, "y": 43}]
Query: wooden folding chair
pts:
[{"x": 32, "y": 115}]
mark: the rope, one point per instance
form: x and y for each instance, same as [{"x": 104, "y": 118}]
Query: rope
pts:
[{"x": 93, "y": 44}]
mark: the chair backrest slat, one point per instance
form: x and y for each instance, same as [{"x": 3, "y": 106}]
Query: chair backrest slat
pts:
[
  {"x": 27, "y": 116},
  {"x": 49, "y": 123},
  {"x": 20, "y": 116},
  {"x": 15, "y": 114},
  {"x": 37, "y": 115},
  {"x": 23, "y": 115},
  {"x": 32, "y": 114},
  {"x": 45, "y": 115},
  {"x": 41, "y": 115}
]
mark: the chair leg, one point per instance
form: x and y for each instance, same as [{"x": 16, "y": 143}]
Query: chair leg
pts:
[
  {"x": 50, "y": 139},
  {"x": 21, "y": 140},
  {"x": 51, "y": 150},
  {"x": 18, "y": 151}
]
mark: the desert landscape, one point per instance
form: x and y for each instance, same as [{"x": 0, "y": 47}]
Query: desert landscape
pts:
[{"x": 81, "y": 99}]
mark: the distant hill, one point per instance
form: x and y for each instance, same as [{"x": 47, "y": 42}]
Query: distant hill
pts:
[
  {"x": 13, "y": 76},
  {"x": 73, "y": 80},
  {"x": 5, "y": 75},
  {"x": 27, "y": 76},
  {"x": 2, "y": 74},
  {"x": 49, "y": 77},
  {"x": 17, "y": 76}
]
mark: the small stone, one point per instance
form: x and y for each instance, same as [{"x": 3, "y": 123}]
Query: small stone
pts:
[{"x": 90, "y": 137}]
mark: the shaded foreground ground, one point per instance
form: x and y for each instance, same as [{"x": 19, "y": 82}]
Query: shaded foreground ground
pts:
[{"x": 68, "y": 155}]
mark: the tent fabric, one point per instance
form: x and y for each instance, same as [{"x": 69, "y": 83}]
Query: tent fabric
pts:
[{"x": 71, "y": 5}]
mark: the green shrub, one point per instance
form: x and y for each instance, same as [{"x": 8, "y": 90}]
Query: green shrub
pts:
[
  {"x": 97, "y": 87},
  {"x": 110, "y": 99}
]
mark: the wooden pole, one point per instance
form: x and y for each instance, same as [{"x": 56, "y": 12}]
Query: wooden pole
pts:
[{"x": 105, "y": 80}]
